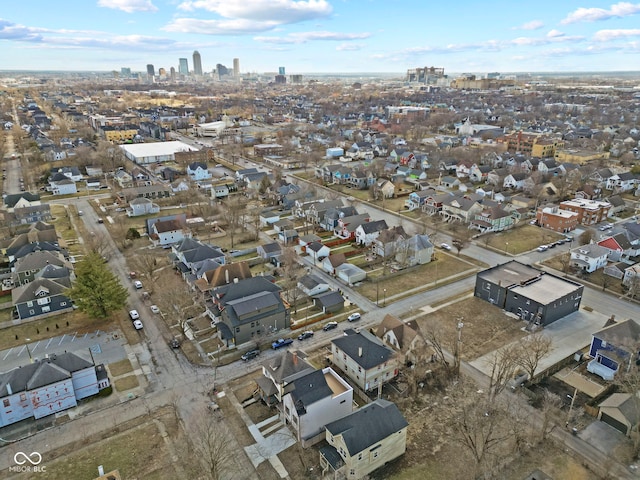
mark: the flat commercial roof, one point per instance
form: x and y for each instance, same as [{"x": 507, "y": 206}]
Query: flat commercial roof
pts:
[
  {"x": 157, "y": 149},
  {"x": 547, "y": 289},
  {"x": 510, "y": 273}
]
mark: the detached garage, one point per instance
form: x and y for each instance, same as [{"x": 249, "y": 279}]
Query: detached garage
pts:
[{"x": 620, "y": 412}]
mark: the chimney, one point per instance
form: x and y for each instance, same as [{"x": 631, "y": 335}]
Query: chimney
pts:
[
  {"x": 9, "y": 391},
  {"x": 226, "y": 275},
  {"x": 295, "y": 358},
  {"x": 359, "y": 351}
]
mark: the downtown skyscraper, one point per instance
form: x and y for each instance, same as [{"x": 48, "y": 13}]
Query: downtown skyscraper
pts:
[{"x": 197, "y": 63}]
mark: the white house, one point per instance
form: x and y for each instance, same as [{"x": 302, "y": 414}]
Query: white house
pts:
[
  {"x": 367, "y": 232},
  {"x": 66, "y": 186},
  {"x": 314, "y": 400},
  {"x": 167, "y": 232},
  {"x": 45, "y": 387},
  {"x": 515, "y": 181},
  {"x": 589, "y": 258},
  {"x": 198, "y": 171},
  {"x": 142, "y": 206},
  {"x": 312, "y": 285}
]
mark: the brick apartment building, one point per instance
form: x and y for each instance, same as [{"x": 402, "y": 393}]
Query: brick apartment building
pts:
[
  {"x": 556, "y": 219},
  {"x": 589, "y": 212}
]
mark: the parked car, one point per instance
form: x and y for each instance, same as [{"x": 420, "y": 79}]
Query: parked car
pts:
[
  {"x": 281, "y": 342},
  {"x": 137, "y": 324},
  {"x": 445, "y": 246},
  {"x": 305, "y": 335},
  {"x": 134, "y": 314},
  {"x": 100, "y": 220},
  {"x": 174, "y": 343},
  {"x": 154, "y": 309},
  {"x": 330, "y": 326},
  {"x": 250, "y": 354},
  {"x": 137, "y": 284},
  {"x": 543, "y": 248},
  {"x": 354, "y": 316}
]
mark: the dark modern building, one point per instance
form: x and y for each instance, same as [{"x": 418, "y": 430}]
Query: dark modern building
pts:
[
  {"x": 532, "y": 294},
  {"x": 151, "y": 71}
]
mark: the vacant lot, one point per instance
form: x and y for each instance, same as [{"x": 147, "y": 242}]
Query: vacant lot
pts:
[
  {"x": 486, "y": 327},
  {"x": 520, "y": 239},
  {"x": 423, "y": 277},
  {"x": 137, "y": 450}
]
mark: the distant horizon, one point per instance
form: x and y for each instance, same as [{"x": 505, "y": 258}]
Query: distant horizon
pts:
[
  {"x": 311, "y": 35},
  {"x": 352, "y": 74}
]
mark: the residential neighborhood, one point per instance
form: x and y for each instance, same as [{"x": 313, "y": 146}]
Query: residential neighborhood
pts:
[{"x": 329, "y": 290}]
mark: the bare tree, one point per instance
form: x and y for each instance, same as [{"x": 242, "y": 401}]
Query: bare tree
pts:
[
  {"x": 178, "y": 301},
  {"x": 213, "y": 446},
  {"x": 551, "y": 403},
  {"x": 532, "y": 350},
  {"x": 232, "y": 214},
  {"x": 480, "y": 427},
  {"x": 502, "y": 363},
  {"x": 461, "y": 241},
  {"x": 148, "y": 264},
  {"x": 291, "y": 272},
  {"x": 434, "y": 334}
]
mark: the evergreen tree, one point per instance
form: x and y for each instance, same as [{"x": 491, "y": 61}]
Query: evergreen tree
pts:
[{"x": 97, "y": 291}]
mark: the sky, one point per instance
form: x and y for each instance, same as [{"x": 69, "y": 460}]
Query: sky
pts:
[{"x": 322, "y": 36}]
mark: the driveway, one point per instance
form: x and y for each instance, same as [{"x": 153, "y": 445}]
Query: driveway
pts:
[{"x": 602, "y": 436}]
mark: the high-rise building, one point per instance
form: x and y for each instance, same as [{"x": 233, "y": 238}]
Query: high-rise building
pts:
[
  {"x": 197, "y": 63},
  {"x": 236, "y": 67},
  {"x": 162, "y": 72},
  {"x": 281, "y": 71},
  {"x": 125, "y": 72},
  {"x": 222, "y": 70},
  {"x": 183, "y": 67},
  {"x": 172, "y": 74},
  {"x": 151, "y": 71}
]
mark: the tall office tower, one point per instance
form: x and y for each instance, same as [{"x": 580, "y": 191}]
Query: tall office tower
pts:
[
  {"x": 125, "y": 72},
  {"x": 222, "y": 70},
  {"x": 197, "y": 63},
  {"x": 281, "y": 71},
  {"x": 151, "y": 71},
  {"x": 162, "y": 72},
  {"x": 172, "y": 74},
  {"x": 236, "y": 67},
  {"x": 183, "y": 68}
]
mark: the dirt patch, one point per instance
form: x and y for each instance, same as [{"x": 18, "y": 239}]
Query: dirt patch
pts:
[
  {"x": 486, "y": 327},
  {"x": 119, "y": 368},
  {"x": 136, "y": 449},
  {"x": 126, "y": 383}
]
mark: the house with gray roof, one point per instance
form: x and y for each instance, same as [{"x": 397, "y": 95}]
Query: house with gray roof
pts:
[
  {"x": 247, "y": 310},
  {"x": 312, "y": 285},
  {"x": 47, "y": 386},
  {"x": 329, "y": 302},
  {"x": 613, "y": 348},
  {"x": 589, "y": 258},
  {"x": 367, "y": 232},
  {"x": 279, "y": 373},
  {"x": 41, "y": 298},
  {"x": 415, "y": 250},
  {"x": 364, "y": 440},
  {"x": 364, "y": 359},
  {"x": 314, "y": 400}
]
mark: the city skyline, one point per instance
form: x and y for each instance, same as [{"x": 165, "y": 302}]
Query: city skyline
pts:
[{"x": 323, "y": 35}]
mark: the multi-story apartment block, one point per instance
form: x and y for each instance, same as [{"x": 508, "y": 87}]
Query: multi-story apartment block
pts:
[
  {"x": 589, "y": 212},
  {"x": 554, "y": 218}
]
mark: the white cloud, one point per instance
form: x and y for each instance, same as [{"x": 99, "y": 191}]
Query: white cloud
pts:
[
  {"x": 129, "y": 6},
  {"x": 607, "y": 35},
  {"x": 277, "y": 11},
  {"x": 532, "y": 25},
  {"x": 350, "y": 47},
  {"x": 304, "y": 37},
  {"x": 555, "y": 34},
  {"x": 618, "y": 10},
  {"x": 218, "y": 27}
]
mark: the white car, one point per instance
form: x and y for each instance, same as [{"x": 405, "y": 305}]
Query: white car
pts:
[
  {"x": 154, "y": 309},
  {"x": 134, "y": 314},
  {"x": 137, "y": 284},
  {"x": 445, "y": 246},
  {"x": 353, "y": 317},
  {"x": 137, "y": 324}
]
